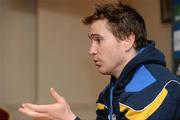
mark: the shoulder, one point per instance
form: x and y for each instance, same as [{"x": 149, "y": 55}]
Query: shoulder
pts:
[
  {"x": 152, "y": 88},
  {"x": 148, "y": 83}
]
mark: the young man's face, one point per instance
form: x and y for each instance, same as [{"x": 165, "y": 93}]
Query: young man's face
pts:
[{"x": 107, "y": 52}]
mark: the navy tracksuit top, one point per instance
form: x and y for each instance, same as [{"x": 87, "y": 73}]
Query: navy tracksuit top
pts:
[{"x": 145, "y": 90}]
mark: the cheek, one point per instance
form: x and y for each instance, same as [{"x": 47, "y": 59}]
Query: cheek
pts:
[
  {"x": 110, "y": 57},
  {"x": 110, "y": 53},
  {"x": 115, "y": 56}
]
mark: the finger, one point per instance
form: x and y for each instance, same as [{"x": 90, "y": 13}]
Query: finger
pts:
[
  {"x": 56, "y": 96},
  {"x": 36, "y": 108},
  {"x": 26, "y": 108},
  {"x": 33, "y": 114}
]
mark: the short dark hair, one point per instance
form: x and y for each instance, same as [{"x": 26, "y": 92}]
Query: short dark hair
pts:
[{"x": 123, "y": 21}]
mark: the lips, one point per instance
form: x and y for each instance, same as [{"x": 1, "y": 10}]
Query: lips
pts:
[{"x": 97, "y": 63}]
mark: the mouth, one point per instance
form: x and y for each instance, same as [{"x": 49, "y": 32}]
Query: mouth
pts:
[{"x": 97, "y": 63}]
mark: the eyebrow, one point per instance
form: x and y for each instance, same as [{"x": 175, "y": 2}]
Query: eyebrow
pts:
[{"x": 94, "y": 35}]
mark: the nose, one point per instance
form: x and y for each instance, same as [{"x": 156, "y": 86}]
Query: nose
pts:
[{"x": 92, "y": 49}]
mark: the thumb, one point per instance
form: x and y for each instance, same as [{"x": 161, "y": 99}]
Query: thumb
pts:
[{"x": 56, "y": 96}]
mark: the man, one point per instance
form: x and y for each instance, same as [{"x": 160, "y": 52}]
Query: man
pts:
[{"x": 141, "y": 87}]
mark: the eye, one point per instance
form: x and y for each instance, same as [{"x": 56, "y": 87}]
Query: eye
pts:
[{"x": 98, "y": 39}]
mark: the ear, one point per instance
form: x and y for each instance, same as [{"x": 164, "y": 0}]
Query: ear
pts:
[{"x": 129, "y": 42}]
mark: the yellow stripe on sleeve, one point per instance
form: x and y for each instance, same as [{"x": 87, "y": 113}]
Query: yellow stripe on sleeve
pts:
[
  {"x": 100, "y": 106},
  {"x": 143, "y": 114}
]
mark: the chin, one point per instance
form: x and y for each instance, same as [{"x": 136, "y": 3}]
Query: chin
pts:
[{"x": 103, "y": 72}]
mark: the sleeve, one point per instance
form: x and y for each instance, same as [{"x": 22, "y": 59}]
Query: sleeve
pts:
[
  {"x": 169, "y": 109},
  {"x": 163, "y": 105}
]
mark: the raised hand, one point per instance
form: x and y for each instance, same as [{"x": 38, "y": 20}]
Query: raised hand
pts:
[{"x": 60, "y": 110}]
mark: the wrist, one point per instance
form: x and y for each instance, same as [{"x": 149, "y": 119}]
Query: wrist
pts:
[
  {"x": 77, "y": 118},
  {"x": 71, "y": 116}
]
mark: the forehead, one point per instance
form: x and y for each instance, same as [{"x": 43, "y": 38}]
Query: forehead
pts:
[{"x": 99, "y": 27}]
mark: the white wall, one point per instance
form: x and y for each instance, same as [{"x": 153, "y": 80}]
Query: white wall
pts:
[{"x": 17, "y": 54}]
